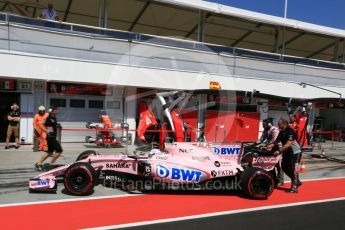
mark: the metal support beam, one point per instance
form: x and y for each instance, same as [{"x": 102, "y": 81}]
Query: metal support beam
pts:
[
  {"x": 321, "y": 50},
  {"x": 343, "y": 55},
  {"x": 4, "y": 6},
  {"x": 192, "y": 31},
  {"x": 142, "y": 11},
  {"x": 67, "y": 10},
  {"x": 284, "y": 44},
  {"x": 245, "y": 35},
  {"x": 201, "y": 31},
  {"x": 100, "y": 15},
  {"x": 242, "y": 27},
  {"x": 336, "y": 50},
  {"x": 35, "y": 10},
  {"x": 103, "y": 13},
  {"x": 277, "y": 37}
]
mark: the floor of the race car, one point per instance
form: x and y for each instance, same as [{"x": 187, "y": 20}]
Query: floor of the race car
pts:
[{"x": 155, "y": 208}]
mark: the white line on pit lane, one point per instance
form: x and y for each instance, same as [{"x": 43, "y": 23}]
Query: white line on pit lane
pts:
[
  {"x": 136, "y": 224},
  {"x": 113, "y": 196},
  {"x": 68, "y": 200}
]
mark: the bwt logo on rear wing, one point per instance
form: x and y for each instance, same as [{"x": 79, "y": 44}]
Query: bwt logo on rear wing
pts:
[{"x": 229, "y": 150}]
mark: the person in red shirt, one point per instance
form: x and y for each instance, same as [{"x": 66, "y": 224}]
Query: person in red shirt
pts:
[
  {"x": 293, "y": 124},
  {"x": 298, "y": 124}
]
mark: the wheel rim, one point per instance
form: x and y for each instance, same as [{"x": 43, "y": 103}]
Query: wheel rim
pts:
[
  {"x": 261, "y": 185},
  {"x": 78, "y": 180}
]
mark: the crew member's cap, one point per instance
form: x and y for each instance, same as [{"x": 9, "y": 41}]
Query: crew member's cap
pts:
[{"x": 41, "y": 108}]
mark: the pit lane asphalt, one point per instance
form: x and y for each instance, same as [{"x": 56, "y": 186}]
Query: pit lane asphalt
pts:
[
  {"x": 328, "y": 216},
  {"x": 17, "y": 167}
]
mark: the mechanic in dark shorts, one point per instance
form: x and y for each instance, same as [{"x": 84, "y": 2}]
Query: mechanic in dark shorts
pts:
[
  {"x": 50, "y": 126},
  {"x": 13, "y": 126},
  {"x": 291, "y": 153}
]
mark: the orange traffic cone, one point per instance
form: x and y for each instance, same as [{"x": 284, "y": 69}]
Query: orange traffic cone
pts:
[{"x": 302, "y": 168}]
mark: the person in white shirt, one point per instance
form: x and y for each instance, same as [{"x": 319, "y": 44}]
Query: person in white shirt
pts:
[{"x": 49, "y": 13}]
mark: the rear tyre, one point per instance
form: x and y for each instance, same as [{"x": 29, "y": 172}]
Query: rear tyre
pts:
[
  {"x": 79, "y": 179},
  {"x": 86, "y": 154},
  {"x": 274, "y": 176},
  {"x": 257, "y": 183}
]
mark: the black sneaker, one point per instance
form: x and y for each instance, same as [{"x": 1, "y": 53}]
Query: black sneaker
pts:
[
  {"x": 38, "y": 167},
  {"x": 6, "y": 147},
  {"x": 280, "y": 183},
  {"x": 17, "y": 146},
  {"x": 292, "y": 190},
  {"x": 299, "y": 183}
]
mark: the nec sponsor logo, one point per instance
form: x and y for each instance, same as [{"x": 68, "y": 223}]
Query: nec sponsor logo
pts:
[
  {"x": 226, "y": 150},
  {"x": 185, "y": 150},
  {"x": 118, "y": 165},
  {"x": 42, "y": 182},
  {"x": 178, "y": 174}
]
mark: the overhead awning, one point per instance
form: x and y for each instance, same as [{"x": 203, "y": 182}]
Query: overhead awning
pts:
[{"x": 223, "y": 25}]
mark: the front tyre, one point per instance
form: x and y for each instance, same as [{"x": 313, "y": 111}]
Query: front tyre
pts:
[
  {"x": 86, "y": 154},
  {"x": 257, "y": 183},
  {"x": 79, "y": 179}
]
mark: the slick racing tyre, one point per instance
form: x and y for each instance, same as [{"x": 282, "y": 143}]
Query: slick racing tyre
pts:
[
  {"x": 79, "y": 179},
  {"x": 257, "y": 183},
  {"x": 86, "y": 154}
]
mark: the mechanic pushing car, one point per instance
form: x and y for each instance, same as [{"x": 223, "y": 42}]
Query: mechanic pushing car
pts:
[
  {"x": 291, "y": 153},
  {"x": 50, "y": 126},
  {"x": 40, "y": 133},
  {"x": 269, "y": 136}
]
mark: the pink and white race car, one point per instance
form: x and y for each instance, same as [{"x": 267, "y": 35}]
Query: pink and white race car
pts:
[
  {"x": 176, "y": 164},
  {"x": 197, "y": 165}
]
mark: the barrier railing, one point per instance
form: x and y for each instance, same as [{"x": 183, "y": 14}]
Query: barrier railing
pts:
[
  {"x": 193, "y": 45},
  {"x": 331, "y": 133}
]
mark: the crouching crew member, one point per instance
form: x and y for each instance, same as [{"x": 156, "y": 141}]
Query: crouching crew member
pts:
[
  {"x": 40, "y": 133},
  {"x": 13, "y": 126},
  {"x": 50, "y": 126},
  {"x": 291, "y": 153}
]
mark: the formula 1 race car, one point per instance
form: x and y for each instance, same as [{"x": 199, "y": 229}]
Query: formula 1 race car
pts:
[
  {"x": 176, "y": 163},
  {"x": 196, "y": 165}
]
